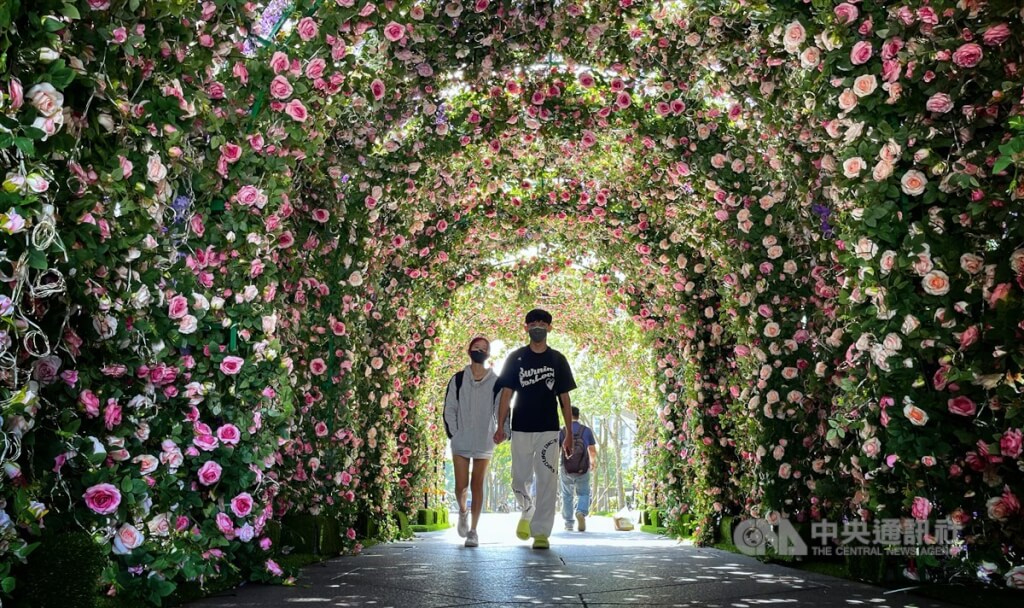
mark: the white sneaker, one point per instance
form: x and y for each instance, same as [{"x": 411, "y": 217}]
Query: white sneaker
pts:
[
  {"x": 463, "y": 527},
  {"x": 472, "y": 540},
  {"x": 568, "y": 526}
]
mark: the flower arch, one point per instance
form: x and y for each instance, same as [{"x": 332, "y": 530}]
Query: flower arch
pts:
[{"x": 228, "y": 227}]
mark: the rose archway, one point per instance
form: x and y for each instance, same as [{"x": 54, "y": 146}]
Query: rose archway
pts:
[{"x": 229, "y": 227}]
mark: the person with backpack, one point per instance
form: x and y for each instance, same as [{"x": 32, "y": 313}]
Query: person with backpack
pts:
[
  {"x": 470, "y": 420},
  {"x": 576, "y": 468},
  {"x": 541, "y": 379}
]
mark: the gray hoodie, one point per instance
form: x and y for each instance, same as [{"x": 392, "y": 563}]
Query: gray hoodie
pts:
[{"x": 471, "y": 418}]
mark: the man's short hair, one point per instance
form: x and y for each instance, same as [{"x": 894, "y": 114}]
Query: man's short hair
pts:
[
  {"x": 538, "y": 314},
  {"x": 575, "y": 412}
]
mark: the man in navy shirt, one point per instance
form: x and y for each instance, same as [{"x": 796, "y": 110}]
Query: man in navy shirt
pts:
[
  {"x": 541, "y": 379},
  {"x": 576, "y": 484}
]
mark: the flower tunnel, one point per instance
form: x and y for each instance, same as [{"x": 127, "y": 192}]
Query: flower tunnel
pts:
[{"x": 233, "y": 232}]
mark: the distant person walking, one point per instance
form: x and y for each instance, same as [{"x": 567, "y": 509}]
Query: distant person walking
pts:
[
  {"x": 470, "y": 420},
  {"x": 541, "y": 379},
  {"x": 576, "y": 468}
]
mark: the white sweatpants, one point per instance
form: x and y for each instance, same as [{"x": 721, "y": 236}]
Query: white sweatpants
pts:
[{"x": 536, "y": 456}]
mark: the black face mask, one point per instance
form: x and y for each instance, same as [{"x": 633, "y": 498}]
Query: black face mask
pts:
[
  {"x": 538, "y": 334},
  {"x": 478, "y": 356}
]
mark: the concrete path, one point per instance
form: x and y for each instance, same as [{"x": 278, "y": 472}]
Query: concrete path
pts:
[{"x": 599, "y": 567}]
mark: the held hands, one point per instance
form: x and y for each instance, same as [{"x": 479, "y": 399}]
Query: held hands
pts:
[
  {"x": 567, "y": 445},
  {"x": 499, "y": 435}
]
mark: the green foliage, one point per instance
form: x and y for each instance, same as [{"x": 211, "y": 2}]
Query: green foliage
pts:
[{"x": 64, "y": 572}]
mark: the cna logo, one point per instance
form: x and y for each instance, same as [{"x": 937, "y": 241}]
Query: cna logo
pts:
[{"x": 755, "y": 536}]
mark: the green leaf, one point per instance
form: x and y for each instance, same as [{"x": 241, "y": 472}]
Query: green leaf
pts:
[
  {"x": 70, "y": 11},
  {"x": 6, "y": 140},
  {"x": 37, "y": 260},
  {"x": 25, "y": 145},
  {"x": 1001, "y": 164},
  {"x": 52, "y": 25},
  {"x": 8, "y": 584}
]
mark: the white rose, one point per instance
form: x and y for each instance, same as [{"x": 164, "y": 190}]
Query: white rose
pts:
[
  {"x": 216, "y": 303},
  {"x": 199, "y": 302},
  {"x": 852, "y": 167},
  {"x": 141, "y": 298},
  {"x": 188, "y": 324},
  {"x": 882, "y": 171},
  {"x": 250, "y": 293},
  {"x": 892, "y": 342},
  {"x": 865, "y": 249},
  {"x": 910, "y": 323},
  {"x": 865, "y": 85}
]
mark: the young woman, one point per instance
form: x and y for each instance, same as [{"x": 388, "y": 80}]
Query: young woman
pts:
[{"x": 471, "y": 419}]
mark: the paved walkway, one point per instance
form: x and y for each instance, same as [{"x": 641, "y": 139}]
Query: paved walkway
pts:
[{"x": 599, "y": 567}]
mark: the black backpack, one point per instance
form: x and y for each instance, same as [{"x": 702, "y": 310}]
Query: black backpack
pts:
[{"x": 578, "y": 462}]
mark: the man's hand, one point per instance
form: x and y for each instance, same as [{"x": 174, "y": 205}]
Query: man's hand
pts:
[
  {"x": 567, "y": 445},
  {"x": 499, "y": 435}
]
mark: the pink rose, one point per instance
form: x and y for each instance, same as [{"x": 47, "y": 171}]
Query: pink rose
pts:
[
  {"x": 377, "y": 89},
  {"x": 279, "y": 62},
  {"x": 846, "y": 13},
  {"x": 307, "y": 29},
  {"x": 920, "y": 508},
  {"x": 229, "y": 434},
  {"x": 1010, "y": 444},
  {"x": 240, "y": 72},
  {"x": 939, "y": 102},
  {"x": 112, "y": 414},
  {"x": 996, "y": 35},
  {"x": 16, "y": 92},
  {"x": 102, "y": 498},
  {"x": 968, "y": 55},
  {"x": 1003, "y": 507},
  {"x": 231, "y": 365},
  {"x": 241, "y": 505},
  {"x": 119, "y": 35},
  {"x": 296, "y": 110},
  {"x": 861, "y": 53},
  {"x": 280, "y": 88},
  {"x": 962, "y": 406},
  {"x": 248, "y": 196},
  {"x": 623, "y": 100},
  {"x": 321, "y": 215},
  {"x": 315, "y": 68},
  {"x": 999, "y": 293},
  {"x": 99, "y": 5},
  {"x": 177, "y": 307},
  {"x": 969, "y": 337},
  {"x": 481, "y": 5},
  {"x": 90, "y": 402},
  {"x": 209, "y": 473},
  {"x": 394, "y": 31},
  {"x": 231, "y": 152},
  {"x": 273, "y": 568},
  {"x": 224, "y": 523},
  {"x": 317, "y": 366}
]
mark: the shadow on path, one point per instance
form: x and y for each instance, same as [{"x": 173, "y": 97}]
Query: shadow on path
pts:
[{"x": 599, "y": 567}]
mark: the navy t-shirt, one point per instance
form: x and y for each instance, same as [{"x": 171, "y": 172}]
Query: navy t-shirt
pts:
[{"x": 537, "y": 379}]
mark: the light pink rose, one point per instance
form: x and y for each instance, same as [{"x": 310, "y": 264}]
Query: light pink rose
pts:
[
  {"x": 90, "y": 402},
  {"x": 280, "y": 88},
  {"x": 962, "y": 406},
  {"x": 224, "y": 524},
  {"x": 968, "y": 55},
  {"x": 119, "y": 35},
  {"x": 231, "y": 365},
  {"x": 921, "y": 508},
  {"x": 872, "y": 447},
  {"x": 861, "y": 53},
  {"x": 102, "y": 498},
  {"x": 45, "y": 99},
  {"x": 969, "y": 337},
  {"x": 209, "y": 473},
  {"x": 128, "y": 537},
  {"x": 307, "y": 29},
  {"x": 999, "y": 293},
  {"x": 377, "y": 89},
  {"x": 296, "y": 111},
  {"x": 249, "y": 196},
  {"x": 394, "y": 31},
  {"x": 794, "y": 36},
  {"x": 1011, "y": 442},
  {"x": 155, "y": 169},
  {"x": 939, "y": 102}
]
